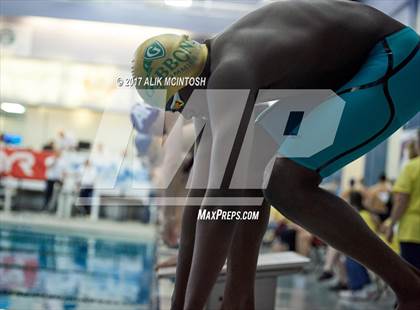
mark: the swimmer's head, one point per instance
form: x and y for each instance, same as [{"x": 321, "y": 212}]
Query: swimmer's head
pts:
[{"x": 167, "y": 56}]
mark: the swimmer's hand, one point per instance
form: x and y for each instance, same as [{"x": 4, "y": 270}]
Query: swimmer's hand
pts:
[
  {"x": 170, "y": 262},
  {"x": 170, "y": 234}
]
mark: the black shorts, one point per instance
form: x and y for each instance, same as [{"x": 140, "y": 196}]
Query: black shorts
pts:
[{"x": 410, "y": 251}]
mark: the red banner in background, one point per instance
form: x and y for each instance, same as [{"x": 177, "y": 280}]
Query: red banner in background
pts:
[{"x": 24, "y": 163}]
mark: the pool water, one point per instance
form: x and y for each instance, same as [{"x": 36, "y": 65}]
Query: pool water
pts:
[{"x": 49, "y": 270}]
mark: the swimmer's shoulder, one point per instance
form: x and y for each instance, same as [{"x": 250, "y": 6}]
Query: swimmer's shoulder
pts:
[
  {"x": 230, "y": 68},
  {"x": 331, "y": 14}
]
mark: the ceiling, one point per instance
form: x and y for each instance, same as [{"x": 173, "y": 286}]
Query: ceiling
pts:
[{"x": 202, "y": 17}]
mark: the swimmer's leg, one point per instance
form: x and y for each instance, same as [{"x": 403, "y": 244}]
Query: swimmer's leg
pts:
[
  {"x": 242, "y": 260},
  {"x": 294, "y": 191},
  {"x": 200, "y": 172},
  {"x": 248, "y": 235}
]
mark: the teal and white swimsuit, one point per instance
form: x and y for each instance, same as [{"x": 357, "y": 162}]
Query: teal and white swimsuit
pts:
[{"x": 379, "y": 99}]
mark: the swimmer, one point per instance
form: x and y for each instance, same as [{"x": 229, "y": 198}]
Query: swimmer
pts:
[{"x": 369, "y": 59}]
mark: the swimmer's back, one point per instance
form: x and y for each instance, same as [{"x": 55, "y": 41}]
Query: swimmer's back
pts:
[{"x": 303, "y": 44}]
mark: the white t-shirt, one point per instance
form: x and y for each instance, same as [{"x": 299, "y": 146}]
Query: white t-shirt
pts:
[
  {"x": 88, "y": 175},
  {"x": 55, "y": 168}
]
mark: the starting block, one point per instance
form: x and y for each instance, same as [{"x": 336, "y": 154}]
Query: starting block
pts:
[{"x": 270, "y": 266}]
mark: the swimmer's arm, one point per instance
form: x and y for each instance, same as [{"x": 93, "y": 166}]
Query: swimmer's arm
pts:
[
  {"x": 225, "y": 112},
  {"x": 213, "y": 238},
  {"x": 170, "y": 160},
  {"x": 200, "y": 172}
]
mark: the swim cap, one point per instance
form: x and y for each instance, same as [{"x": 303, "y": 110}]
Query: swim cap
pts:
[{"x": 163, "y": 58}]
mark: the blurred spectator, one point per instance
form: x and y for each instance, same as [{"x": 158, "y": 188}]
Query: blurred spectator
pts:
[
  {"x": 100, "y": 158},
  {"x": 54, "y": 176},
  {"x": 65, "y": 141},
  {"x": 354, "y": 195},
  {"x": 291, "y": 237},
  {"x": 379, "y": 197},
  {"x": 88, "y": 176},
  {"x": 303, "y": 241},
  {"x": 362, "y": 188},
  {"x": 334, "y": 260},
  {"x": 358, "y": 280},
  {"x": 2, "y": 156},
  {"x": 406, "y": 212},
  {"x": 351, "y": 189},
  {"x": 412, "y": 149},
  {"x": 99, "y": 155},
  {"x": 49, "y": 146}
]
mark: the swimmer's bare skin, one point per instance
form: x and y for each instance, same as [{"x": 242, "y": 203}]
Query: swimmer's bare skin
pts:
[
  {"x": 290, "y": 44},
  {"x": 296, "y": 44}
]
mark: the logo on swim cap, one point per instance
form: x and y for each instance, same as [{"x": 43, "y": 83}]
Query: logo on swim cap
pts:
[{"x": 154, "y": 51}]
